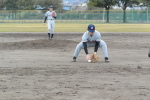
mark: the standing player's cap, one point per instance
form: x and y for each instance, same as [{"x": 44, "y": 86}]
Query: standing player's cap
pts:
[
  {"x": 91, "y": 28},
  {"x": 51, "y": 6}
]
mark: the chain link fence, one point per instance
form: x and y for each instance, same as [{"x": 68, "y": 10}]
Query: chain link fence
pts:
[{"x": 93, "y": 16}]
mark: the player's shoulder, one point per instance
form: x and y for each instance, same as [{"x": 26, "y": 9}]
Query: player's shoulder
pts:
[
  {"x": 47, "y": 11},
  {"x": 97, "y": 32},
  {"x": 85, "y": 33}
]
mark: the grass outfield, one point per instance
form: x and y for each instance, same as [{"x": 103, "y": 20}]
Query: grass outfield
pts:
[{"x": 73, "y": 27}]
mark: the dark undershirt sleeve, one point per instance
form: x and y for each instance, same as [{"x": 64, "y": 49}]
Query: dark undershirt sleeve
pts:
[
  {"x": 96, "y": 46},
  {"x": 45, "y": 19},
  {"x": 85, "y": 47},
  {"x": 55, "y": 17}
]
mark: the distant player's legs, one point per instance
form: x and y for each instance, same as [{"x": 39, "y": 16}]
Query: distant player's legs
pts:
[
  {"x": 49, "y": 28},
  {"x": 52, "y": 27},
  {"x": 103, "y": 45}
]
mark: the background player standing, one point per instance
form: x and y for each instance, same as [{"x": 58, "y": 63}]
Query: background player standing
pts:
[
  {"x": 91, "y": 38},
  {"x": 50, "y": 21}
]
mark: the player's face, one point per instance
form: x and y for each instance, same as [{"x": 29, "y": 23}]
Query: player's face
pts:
[
  {"x": 91, "y": 33},
  {"x": 51, "y": 9}
]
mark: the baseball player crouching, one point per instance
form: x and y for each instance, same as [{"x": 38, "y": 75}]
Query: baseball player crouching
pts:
[
  {"x": 91, "y": 38},
  {"x": 50, "y": 16}
]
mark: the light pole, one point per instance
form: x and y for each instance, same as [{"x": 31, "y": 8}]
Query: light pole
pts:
[
  {"x": 147, "y": 13},
  {"x": 103, "y": 14}
]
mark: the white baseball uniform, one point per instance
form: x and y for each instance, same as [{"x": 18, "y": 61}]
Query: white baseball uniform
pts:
[{"x": 50, "y": 21}]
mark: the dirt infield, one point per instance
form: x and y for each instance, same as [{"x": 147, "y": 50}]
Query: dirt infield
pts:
[{"x": 35, "y": 68}]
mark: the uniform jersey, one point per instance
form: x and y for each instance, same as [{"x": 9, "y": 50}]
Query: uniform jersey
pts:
[
  {"x": 90, "y": 39},
  {"x": 48, "y": 14}
]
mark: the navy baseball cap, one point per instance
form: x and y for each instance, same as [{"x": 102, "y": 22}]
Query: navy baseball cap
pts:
[
  {"x": 91, "y": 28},
  {"x": 51, "y": 6}
]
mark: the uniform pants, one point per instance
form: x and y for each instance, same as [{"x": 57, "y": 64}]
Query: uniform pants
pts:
[
  {"x": 102, "y": 45},
  {"x": 51, "y": 25}
]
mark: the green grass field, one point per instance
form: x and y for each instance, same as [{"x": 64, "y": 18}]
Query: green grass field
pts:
[{"x": 73, "y": 27}]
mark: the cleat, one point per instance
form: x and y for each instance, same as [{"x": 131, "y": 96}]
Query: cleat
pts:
[
  {"x": 106, "y": 59},
  {"x": 49, "y": 36},
  {"x": 74, "y": 59},
  {"x": 52, "y": 36}
]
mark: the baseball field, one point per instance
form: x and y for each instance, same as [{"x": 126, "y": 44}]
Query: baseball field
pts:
[{"x": 35, "y": 68}]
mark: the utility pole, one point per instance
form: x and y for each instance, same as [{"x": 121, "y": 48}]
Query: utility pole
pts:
[{"x": 147, "y": 14}]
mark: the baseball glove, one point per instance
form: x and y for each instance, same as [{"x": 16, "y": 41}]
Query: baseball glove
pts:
[
  {"x": 53, "y": 14},
  {"x": 94, "y": 58}
]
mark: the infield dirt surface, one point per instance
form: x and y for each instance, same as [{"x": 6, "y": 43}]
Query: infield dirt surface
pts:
[{"x": 35, "y": 68}]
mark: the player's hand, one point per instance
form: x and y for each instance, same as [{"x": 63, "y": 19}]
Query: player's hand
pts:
[
  {"x": 95, "y": 52},
  {"x": 88, "y": 57},
  {"x": 44, "y": 24}
]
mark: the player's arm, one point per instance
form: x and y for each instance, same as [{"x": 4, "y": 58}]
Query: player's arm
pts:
[
  {"x": 84, "y": 40},
  {"x": 85, "y": 48},
  {"x": 45, "y": 19},
  {"x": 55, "y": 17},
  {"x": 86, "y": 51},
  {"x": 97, "y": 43},
  {"x": 96, "y": 46}
]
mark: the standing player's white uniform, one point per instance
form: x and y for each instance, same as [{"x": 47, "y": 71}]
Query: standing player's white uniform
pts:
[{"x": 50, "y": 21}]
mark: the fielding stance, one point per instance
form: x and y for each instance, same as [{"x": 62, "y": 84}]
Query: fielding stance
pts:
[
  {"x": 91, "y": 38},
  {"x": 51, "y": 21}
]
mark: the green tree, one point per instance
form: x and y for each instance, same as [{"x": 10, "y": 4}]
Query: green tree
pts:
[
  {"x": 1, "y": 4},
  {"x": 102, "y": 4},
  {"x": 146, "y": 2},
  {"x": 57, "y": 4},
  {"x": 12, "y": 6},
  {"x": 124, "y": 4},
  {"x": 26, "y": 4}
]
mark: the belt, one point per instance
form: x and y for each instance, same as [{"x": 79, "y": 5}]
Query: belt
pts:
[{"x": 50, "y": 19}]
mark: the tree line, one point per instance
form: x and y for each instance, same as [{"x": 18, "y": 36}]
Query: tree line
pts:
[
  {"x": 14, "y": 5},
  {"x": 29, "y": 4},
  {"x": 121, "y": 3}
]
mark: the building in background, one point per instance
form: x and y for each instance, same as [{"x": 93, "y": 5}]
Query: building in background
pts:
[
  {"x": 67, "y": 5},
  {"x": 75, "y": 5}
]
